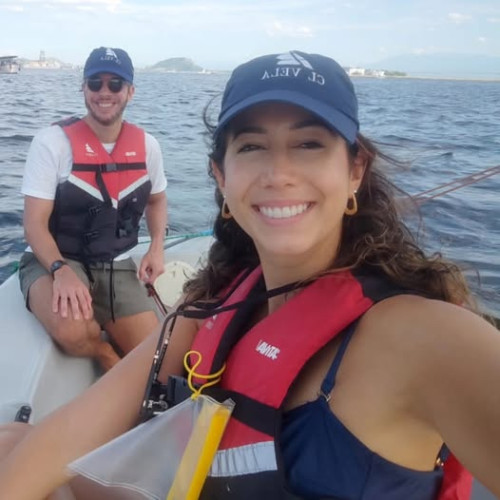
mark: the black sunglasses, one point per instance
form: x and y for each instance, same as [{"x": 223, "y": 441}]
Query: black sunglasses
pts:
[{"x": 115, "y": 84}]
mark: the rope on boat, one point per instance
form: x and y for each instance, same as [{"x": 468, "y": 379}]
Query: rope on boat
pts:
[
  {"x": 181, "y": 238},
  {"x": 207, "y": 232},
  {"x": 456, "y": 184}
]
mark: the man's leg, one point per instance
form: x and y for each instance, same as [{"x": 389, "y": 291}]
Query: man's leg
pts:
[
  {"x": 135, "y": 314},
  {"x": 129, "y": 331},
  {"x": 80, "y": 338}
]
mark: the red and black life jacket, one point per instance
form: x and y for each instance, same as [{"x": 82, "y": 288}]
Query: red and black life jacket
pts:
[
  {"x": 98, "y": 208},
  {"x": 262, "y": 363}
]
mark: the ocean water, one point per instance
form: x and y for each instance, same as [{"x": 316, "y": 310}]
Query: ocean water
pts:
[{"x": 445, "y": 130}]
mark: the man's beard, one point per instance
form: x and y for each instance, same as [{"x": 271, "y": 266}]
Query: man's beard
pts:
[{"x": 108, "y": 121}]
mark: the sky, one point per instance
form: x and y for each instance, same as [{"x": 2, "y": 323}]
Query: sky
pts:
[{"x": 219, "y": 34}]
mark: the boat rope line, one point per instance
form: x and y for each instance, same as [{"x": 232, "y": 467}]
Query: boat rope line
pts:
[
  {"x": 456, "y": 184},
  {"x": 181, "y": 238},
  {"x": 208, "y": 232}
]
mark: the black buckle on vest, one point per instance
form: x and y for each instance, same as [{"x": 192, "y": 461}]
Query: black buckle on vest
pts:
[
  {"x": 91, "y": 235},
  {"x": 94, "y": 210},
  {"x": 126, "y": 228},
  {"x": 110, "y": 167}
]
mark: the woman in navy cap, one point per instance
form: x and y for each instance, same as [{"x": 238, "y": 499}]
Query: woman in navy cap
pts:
[{"x": 354, "y": 359}]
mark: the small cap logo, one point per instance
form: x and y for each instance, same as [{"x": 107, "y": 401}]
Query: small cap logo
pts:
[
  {"x": 293, "y": 59},
  {"x": 110, "y": 55},
  {"x": 292, "y": 65}
]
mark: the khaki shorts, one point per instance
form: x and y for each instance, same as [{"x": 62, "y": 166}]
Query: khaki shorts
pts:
[{"x": 130, "y": 295}]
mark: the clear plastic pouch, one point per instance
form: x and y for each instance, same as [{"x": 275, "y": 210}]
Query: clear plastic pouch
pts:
[{"x": 165, "y": 458}]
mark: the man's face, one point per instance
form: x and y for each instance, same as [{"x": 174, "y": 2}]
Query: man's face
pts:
[{"x": 106, "y": 96}]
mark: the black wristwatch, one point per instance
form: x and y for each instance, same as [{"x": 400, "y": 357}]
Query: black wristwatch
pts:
[{"x": 57, "y": 264}]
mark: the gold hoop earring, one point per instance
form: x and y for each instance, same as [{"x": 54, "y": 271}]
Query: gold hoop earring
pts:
[
  {"x": 351, "y": 210},
  {"x": 224, "y": 210}
]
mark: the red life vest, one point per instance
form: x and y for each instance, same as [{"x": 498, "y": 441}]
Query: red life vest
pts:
[
  {"x": 262, "y": 364},
  {"x": 97, "y": 210}
]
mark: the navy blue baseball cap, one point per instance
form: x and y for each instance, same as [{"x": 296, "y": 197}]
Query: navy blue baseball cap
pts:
[
  {"x": 108, "y": 60},
  {"x": 313, "y": 82}
]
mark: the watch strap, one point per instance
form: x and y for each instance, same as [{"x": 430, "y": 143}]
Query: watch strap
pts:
[{"x": 57, "y": 264}]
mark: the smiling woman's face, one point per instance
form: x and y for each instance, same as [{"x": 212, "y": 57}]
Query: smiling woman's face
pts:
[{"x": 287, "y": 179}]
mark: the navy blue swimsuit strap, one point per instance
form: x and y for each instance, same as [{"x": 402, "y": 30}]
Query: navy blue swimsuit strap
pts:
[{"x": 329, "y": 380}]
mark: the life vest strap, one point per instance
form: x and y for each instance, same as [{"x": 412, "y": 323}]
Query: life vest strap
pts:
[
  {"x": 248, "y": 411},
  {"x": 108, "y": 167}
]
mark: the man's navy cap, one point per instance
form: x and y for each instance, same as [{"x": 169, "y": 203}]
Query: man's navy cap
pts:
[
  {"x": 108, "y": 60},
  {"x": 311, "y": 81}
]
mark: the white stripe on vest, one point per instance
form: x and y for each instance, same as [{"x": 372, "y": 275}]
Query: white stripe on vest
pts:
[
  {"x": 139, "y": 182},
  {"x": 248, "y": 459},
  {"x": 85, "y": 186}
]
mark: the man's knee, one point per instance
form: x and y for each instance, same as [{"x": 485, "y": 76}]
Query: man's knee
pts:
[
  {"x": 129, "y": 331},
  {"x": 75, "y": 337}
]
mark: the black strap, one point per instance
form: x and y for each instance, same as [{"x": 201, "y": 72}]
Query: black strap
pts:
[
  {"x": 444, "y": 453},
  {"x": 248, "y": 411},
  {"x": 103, "y": 189},
  {"x": 112, "y": 294},
  {"x": 238, "y": 325},
  {"x": 108, "y": 167}
]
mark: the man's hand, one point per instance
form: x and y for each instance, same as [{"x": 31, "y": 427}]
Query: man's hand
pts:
[
  {"x": 69, "y": 292},
  {"x": 152, "y": 265}
]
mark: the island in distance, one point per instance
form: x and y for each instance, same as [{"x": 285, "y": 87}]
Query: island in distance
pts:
[
  {"x": 176, "y": 65},
  {"x": 171, "y": 65}
]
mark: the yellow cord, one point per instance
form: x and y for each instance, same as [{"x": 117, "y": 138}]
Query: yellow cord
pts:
[{"x": 213, "y": 378}]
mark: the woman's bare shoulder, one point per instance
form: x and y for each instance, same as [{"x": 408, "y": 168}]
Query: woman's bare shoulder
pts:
[
  {"x": 413, "y": 320},
  {"x": 449, "y": 360},
  {"x": 436, "y": 349},
  {"x": 430, "y": 338}
]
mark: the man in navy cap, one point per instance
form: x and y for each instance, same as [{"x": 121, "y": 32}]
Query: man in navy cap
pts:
[{"x": 87, "y": 183}]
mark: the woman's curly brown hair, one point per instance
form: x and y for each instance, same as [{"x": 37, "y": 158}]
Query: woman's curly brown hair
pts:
[{"x": 375, "y": 237}]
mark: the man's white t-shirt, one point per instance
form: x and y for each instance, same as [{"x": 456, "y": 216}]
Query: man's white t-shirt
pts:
[{"x": 50, "y": 160}]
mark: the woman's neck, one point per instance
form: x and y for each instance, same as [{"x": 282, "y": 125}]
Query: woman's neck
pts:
[
  {"x": 281, "y": 269},
  {"x": 283, "y": 273}
]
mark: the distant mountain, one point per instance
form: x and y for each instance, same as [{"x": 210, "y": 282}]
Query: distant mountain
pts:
[
  {"x": 177, "y": 64},
  {"x": 443, "y": 65}
]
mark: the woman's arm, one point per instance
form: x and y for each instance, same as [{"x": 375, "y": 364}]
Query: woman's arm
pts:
[
  {"x": 107, "y": 409},
  {"x": 455, "y": 360}
]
